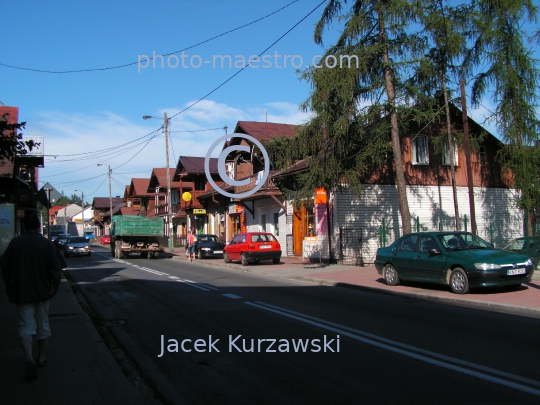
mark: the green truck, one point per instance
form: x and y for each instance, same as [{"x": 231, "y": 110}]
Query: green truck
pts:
[{"x": 134, "y": 234}]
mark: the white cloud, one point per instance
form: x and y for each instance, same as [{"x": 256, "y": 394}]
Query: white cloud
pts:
[{"x": 68, "y": 139}]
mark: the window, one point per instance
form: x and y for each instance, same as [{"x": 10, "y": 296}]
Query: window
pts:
[
  {"x": 200, "y": 183},
  {"x": 263, "y": 222},
  {"x": 276, "y": 224},
  {"x": 419, "y": 150},
  {"x": 427, "y": 243},
  {"x": 446, "y": 155},
  {"x": 408, "y": 243},
  {"x": 482, "y": 155}
]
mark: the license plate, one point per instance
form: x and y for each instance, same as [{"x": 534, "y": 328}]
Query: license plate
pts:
[
  {"x": 218, "y": 251},
  {"x": 265, "y": 247},
  {"x": 515, "y": 271}
]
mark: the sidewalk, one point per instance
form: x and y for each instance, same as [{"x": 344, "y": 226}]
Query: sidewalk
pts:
[
  {"x": 524, "y": 301},
  {"x": 81, "y": 370}
]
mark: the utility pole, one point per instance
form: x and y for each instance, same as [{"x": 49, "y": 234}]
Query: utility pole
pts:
[
  {"x": 48, "y": 190},
  {"x": 169, "y": 202},
  {"x": 82, "y": 204},
  {"x": 110, "y": 194}
]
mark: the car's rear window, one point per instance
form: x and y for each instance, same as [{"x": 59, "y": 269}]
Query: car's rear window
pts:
[
  {"x": 263, "y": 238},
  {"x": 77, "y": 240}
]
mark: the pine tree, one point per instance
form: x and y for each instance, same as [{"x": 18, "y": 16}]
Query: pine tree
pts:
[
  {"x": 512, "y": 74},
  {"x": 356, "y": 107}
]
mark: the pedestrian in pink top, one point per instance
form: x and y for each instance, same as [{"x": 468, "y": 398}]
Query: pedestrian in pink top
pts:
[{"x": 191, "y": 246}]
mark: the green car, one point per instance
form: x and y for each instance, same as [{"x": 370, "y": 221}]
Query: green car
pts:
[
  {"x": 529, "y": 246},
  {"x": 461, "y": 260}
]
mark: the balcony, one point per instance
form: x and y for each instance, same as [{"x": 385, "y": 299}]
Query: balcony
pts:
[
  {"x": 194, "y": 203},
  {"x": 34, "y": 157},
  {"x": 268, "y": 185}
]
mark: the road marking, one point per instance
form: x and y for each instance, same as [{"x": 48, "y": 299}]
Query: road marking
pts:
[
  {"x": 234, "y": 297},
  {"x": 192, "y": 284},
  {"x": 407, "y": 350},
  {"x": 209, "y": 286},
  {"x": 174, "y": 277}
]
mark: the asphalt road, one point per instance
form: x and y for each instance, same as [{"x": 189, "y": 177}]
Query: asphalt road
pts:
[{"x": 380, "y": 349}]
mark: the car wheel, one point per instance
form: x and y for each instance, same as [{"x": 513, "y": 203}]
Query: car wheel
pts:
[
  {"x": 226, "y": 258},
  {"x": 65, "y": 254},
  {"x": 89, "y": 253},
  {"x": 275, "y": 261},
  {"x": 390, "y": 275},
  {"x": 199, "y": 254},
  {"x": 244, "y": 259},
  {"x": 459, "y": 282}
]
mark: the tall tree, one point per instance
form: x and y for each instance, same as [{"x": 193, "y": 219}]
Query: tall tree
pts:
[
  {"x": 512, "y": 74},
  {"x": 11, "y": 141},
  {"x": 357, "y": 95},
  {"x": 447, "y": 29}
]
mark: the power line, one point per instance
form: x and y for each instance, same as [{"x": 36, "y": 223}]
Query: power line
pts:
[
  {"x": 242, "y": 69},
  {"x": 168, "y": 54}
]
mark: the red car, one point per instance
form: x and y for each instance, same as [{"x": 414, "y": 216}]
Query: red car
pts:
[
  {"x": 105, "y": 239},
  {"x": 252, "y": 247}
]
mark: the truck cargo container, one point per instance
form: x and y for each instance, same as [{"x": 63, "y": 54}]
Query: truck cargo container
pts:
[{"x": 134, "y": 234}]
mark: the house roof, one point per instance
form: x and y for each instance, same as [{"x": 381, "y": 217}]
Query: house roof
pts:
[
  {"x": 264, "y": 131},
  {"x": 159, "y": 178},
  {"x": 139, "y": 188},
  {"x": 190, "y": 165},
  {"x": 101, "y": 203},
  {"x": 55, "y": 208}
]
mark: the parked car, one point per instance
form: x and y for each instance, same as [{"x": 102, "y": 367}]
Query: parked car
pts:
[
  {"x": 461, "y": 260},
  {"x": 253, "y": 246},
  {"x": 77, "y": 245},
  {"x": 61, "y": 240},
  {"x": 89, "y": 235},
  {"x": 532, "y": 250},
  {"x": 208, "y": 246},
  {"x": 105, "y": 240}
]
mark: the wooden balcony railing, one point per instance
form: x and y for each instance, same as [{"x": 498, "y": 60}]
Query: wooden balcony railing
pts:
[{"x": 267, "y": 185}]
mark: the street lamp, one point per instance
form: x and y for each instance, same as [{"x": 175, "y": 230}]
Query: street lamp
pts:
[
  {"x": 110, "y": 194},
  {"x": 169, "y": 203}
]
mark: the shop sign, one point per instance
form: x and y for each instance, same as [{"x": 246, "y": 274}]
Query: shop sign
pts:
[
  {"x": 320, "y": 195},
  {"x": 199, "y": 211},
  {"x": 235, "y": 209}
]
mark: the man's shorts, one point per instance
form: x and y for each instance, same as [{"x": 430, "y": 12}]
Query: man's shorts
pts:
[{"x": 34, "y": 319}]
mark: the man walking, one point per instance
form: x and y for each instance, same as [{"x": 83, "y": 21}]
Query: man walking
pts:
[{"x": 31, "y": 268}]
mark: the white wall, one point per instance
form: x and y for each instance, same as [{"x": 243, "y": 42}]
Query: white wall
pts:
[{"x": 432, "y": 205}]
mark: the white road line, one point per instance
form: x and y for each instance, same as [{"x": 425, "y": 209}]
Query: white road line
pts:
[
  {"x": 192, "y": 284},
  {"x": 234, "y": 297},
  {"x": 209, "y": 286},
  {"x": 174, "y": 277},
  {"x": 407, "y": 350}
]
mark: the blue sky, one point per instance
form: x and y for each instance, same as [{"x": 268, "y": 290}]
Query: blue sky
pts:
[{"x": 90, "y": 111}]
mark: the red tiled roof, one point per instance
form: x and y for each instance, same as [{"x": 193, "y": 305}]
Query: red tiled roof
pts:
[
  {"x": 104, "y": 203},
  {"x": 159, "y": 177},
  {"x": 195, "y": 164},
  {"x": 55, "y": 208},
  {"x": 127, "y": 211},
  {"x": 264, "y": 131},
  {"x": 139, "y": 187}
]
